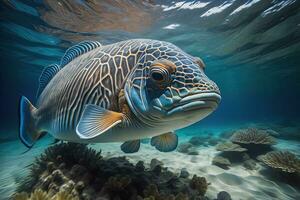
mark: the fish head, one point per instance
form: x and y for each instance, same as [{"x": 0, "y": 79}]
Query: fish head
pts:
[{"x": 171, "y": 91}]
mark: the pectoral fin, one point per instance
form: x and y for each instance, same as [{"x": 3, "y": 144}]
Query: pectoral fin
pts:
[
  {"x": 95, "y": 120},
  {"x": 166, "y": 142},
  {"x": 131, "y": 146}
]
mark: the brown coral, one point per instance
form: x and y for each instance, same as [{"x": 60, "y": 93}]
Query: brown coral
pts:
[
  {"x": 200, "y": 184},
  {"x": 252, "y": 136},
  {"x": 229, "y": 146},
  {"x": 39, "y": 194},
  {"x": 283, "y": 160}
]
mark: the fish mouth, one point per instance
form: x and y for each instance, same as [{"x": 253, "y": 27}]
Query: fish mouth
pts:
[{"x": 198, "y": 101}]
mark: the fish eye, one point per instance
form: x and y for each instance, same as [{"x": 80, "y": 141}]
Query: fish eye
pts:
[
  {"x": 160, "y": 75},
  {"x": 161, "y": 70},
  {"x": 157, "y": 76}
]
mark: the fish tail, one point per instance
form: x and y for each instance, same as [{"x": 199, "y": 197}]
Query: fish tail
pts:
[{"x": 28, "y": 132}]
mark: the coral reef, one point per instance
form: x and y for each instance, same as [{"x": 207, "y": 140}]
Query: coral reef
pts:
[
  {"x": 283, "y": 160},
  {"x": 199, "y": 184},
  {"x": 252, "y": 136},
  {"x": 221, "y": 161},
  {"x": 39, "y": 194},
  {"x": 74, "y": 171},
  {"x": 243, "y": 148},
  {"x": 229, "y": 146}
]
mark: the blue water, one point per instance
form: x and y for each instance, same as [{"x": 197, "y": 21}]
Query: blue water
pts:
[{"x": 251, "y": 49}]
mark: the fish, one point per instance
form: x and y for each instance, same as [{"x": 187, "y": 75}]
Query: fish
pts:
[{"x": 121, "y": 92}]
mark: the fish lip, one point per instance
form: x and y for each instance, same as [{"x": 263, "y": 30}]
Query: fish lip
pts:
[{"x": 196, "y": 101}]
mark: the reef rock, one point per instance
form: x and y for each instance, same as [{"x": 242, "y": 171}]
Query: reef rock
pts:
[
  {"x": 221, "y": 162},
  {"x": 230, "y": 147},
  {"x": 223, "y": 196},
  {"x": 184, "y": 147}
]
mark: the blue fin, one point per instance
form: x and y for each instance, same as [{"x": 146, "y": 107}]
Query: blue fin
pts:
[
  {"x": 28, "y": 132},
  {"x": 47, "y": 74},
  {"x": 77, "y": 50},
  {"x": 95, "y": 120},
  {"x": 166, "y": 142},
  {"x": 131, "y": 146}
]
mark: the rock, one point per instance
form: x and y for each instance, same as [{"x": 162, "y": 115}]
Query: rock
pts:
[
  {"x": 184, "y": 173},
  {"x": 245, "y": 157},
  {"x": 193, "y": 151},
  {"x": 197, "y": 140},
  {"x": 213, "y": 141},
  {"x": 250, "y": 164},
  {"x": 223, "y": 196},
  {"x": 184, "y": 147},
  {"x": 154, "y": 162},
  {"x": 221, "y": 162}
]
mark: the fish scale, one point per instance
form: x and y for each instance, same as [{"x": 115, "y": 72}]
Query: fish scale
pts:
[{"x": 108, "y": 93}]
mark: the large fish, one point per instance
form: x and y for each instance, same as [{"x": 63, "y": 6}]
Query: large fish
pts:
[{"x": 125, "y": 92}]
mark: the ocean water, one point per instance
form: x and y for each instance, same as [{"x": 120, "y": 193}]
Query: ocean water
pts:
[{"x": 250, "y": 48}]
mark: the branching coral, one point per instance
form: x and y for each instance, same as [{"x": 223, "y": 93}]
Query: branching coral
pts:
[
  {"x": 283, "y": 160},
  {"x": 252, "y": 136},
  {"x": 42, "y": 195},
  {"x": 82, "y": 173},
  {"x": 200, "y": 184}
]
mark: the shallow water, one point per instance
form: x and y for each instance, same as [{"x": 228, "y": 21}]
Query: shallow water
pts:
[{"x": 250, "y": 49}]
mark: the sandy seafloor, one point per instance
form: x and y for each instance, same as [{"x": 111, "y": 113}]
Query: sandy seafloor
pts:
[{"x": 239, "y": 182}]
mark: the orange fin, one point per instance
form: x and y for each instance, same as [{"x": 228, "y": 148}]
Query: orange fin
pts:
[{"x": 95, "y": 120}]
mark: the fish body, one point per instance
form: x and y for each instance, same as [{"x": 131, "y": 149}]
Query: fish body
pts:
[{"x": 120, "y": 92}]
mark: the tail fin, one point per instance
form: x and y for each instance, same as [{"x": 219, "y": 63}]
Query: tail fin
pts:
[{"x": 28, "y": 131}]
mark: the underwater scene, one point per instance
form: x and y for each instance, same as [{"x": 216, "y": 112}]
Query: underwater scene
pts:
[{"x": 150, "y": 100}]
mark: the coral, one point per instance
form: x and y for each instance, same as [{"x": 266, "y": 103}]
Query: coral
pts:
[
  {"x": 252, "y": 136},
  {"x": 283, "y": 160},
  {"x": 222, "y": 162},
  {"x": 154, "y": 163},
  {"x": 20, "y": 196},
  {"x": 229, "y": 146},
  {"x": 39, "y": 194},
  {"x": 184, "y": 147},
  {"x": 74, "y": 171},
  {"x": 199, "y": 184}
]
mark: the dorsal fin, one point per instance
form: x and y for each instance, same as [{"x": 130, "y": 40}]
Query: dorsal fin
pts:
[
  {"x": 46, "y": 76},
  {"x": 78, "y": 50}
]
